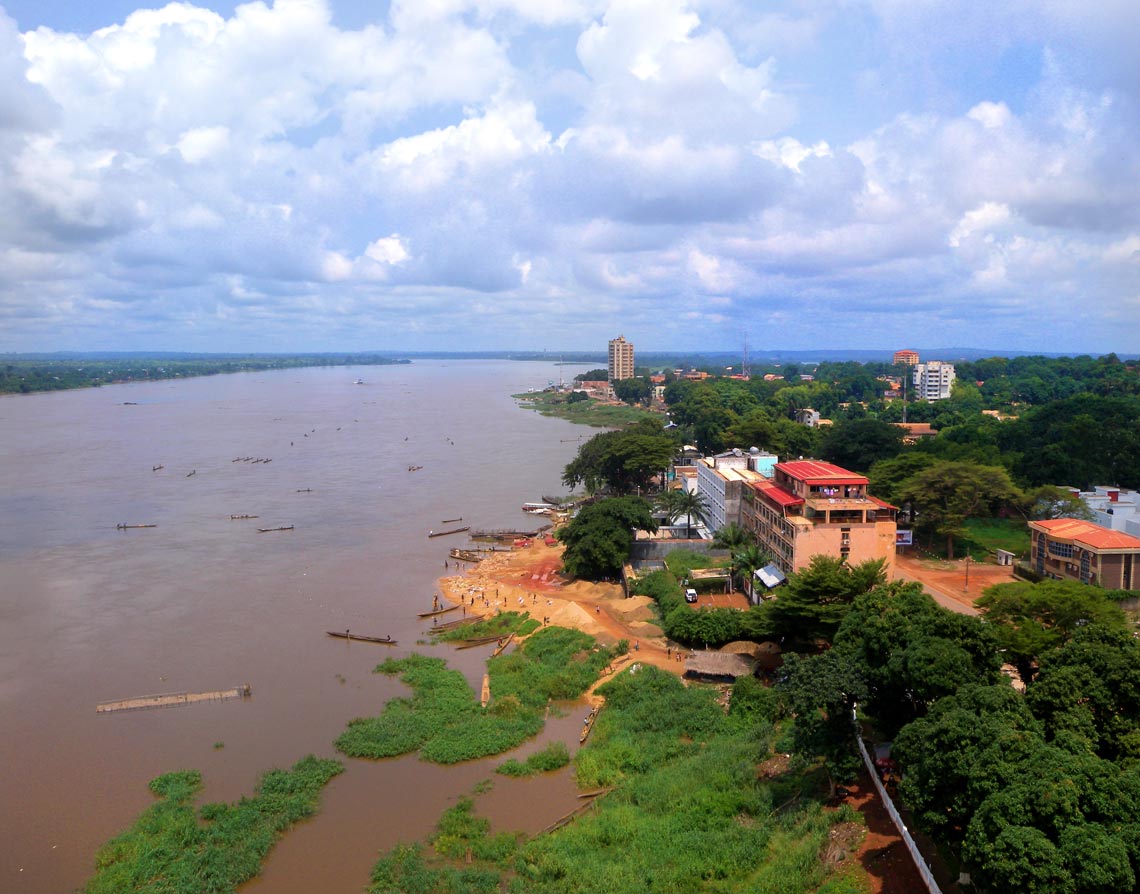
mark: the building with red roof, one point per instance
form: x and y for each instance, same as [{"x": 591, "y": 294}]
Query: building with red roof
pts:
[
  {"x": 1073, "y": 549},
  {"x": 811, "y": 508}
]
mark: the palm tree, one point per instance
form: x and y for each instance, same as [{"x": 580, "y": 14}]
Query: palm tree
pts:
[
  {"x": 748, "y": 560},
  {"x": 732, "y": 537},
  {"x": 694, "y": 507}
]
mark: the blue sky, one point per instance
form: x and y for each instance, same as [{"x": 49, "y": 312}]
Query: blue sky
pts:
[{"x": 529, "y": 174}]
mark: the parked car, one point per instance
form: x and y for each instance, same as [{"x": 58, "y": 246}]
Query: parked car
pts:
[{"x": 690, "y": 595}]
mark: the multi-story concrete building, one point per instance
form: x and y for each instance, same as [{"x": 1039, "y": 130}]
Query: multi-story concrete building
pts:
[
  {"x": 1072, "y": 549},
  {"x": 1117, "y": 508},
  {"x": 910, "y": 358},
  {"x": 933, "y": 380},
  {"x": 721, "y": 480},
  {"x": 621, "y": 359},
  {"x": 813, "y": 508}
]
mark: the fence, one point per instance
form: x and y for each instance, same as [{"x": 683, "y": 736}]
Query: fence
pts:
[{"x": 915, "y": 854}]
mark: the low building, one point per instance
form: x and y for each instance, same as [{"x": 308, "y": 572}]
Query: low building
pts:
[
  {"x": 813, "y": 508},
  {"x": 1117, "y": 508},
  {"x": 913, "y": 432},
  {"x": 1073, "y": 549},
  {"x": 721, "y": 480}
]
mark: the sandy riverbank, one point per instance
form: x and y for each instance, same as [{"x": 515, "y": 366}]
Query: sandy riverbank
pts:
[{"x": 526, "y": 579}]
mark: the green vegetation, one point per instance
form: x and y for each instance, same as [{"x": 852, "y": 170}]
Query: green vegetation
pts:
[
  {"x": 174, "y": 850},
  {"x": 55, "y": 373},
  {"x": 502, "y": 624},
  {"x": 688, "y": 813},
  {"x": 984, "y": 536},
  {"x": 444, "y": 721},
  {"x": 624, "y": 461},
  {"x": 554, "y": 756},
  {"x": 576, "y": 407},
  {"x": 598, "y": 538}
]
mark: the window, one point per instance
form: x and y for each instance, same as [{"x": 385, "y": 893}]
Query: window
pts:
[{"x": 1060, "y": 550}]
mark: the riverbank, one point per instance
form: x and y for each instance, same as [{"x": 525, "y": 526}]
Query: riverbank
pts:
[{"x": 527, "y": 580}]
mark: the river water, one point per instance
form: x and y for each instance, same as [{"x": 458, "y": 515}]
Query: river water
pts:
[{"x": 202, "y": 602}]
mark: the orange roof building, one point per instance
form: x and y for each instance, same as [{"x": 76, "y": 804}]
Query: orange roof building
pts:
[
  {"x": 813, "y": 508},
  {"x": 1073, "y": 549}
]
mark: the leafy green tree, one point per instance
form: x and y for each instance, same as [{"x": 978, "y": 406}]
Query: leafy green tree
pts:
[
  {"x": 599, "y": 537},
  {"x": 746, "y": 561},
  {"x": 821, "y": 692},
  {"x": 1030, "y": 620},
  {"x": 945, "y": 495},
  {"x": 887, "y": 476},
  {"x": 1050, "y": 501},
  {"x": 633, "y": 391},
  {"x": 814, "y": 601},
  {"x": 757, "y": 429},
  {"x": 621, "y": 461},
  {"x": 913, "y": 652},
  {"x": 1091, "y": 686},
  {"x": 939, "y": 752},
  {"x": 858, "y": 444},
  {"x": 593, "y": 375}
]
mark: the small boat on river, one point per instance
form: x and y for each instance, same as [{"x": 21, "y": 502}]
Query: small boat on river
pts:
[
  {"x": 449, "y": 520},
  {"x": 268, "y": 530},
  {"x": 383, "y": 640},
  {"x": 439, "y": 611},
  {"x": 467, "y": 555},
  {"x": 503, "y": 643},
  {"x": 128, "y": 527},
  {"x": 242, "y": 516},
  {"x": 449, "y": 531}
]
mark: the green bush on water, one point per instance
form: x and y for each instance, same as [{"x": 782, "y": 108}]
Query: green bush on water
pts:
[
  {"x": 445, "y": 722},
  {"x": 174, "y": 850},
  {"x": 554, "y": 756},
  {"x": 688, "y": 813}
]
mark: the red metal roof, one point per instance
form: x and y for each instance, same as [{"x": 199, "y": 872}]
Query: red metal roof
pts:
[
  {"x": 777, "y": 494},
  {"x": 882, "y": 503},
  {"x": 814, "y": 471},
  {"x": 1087, "y": 533}
]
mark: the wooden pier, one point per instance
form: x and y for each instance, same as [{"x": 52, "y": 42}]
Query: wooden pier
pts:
[{"x": 172, "y": 699}]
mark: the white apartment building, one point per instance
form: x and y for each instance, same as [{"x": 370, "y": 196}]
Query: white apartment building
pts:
[
  {"x": 933, "y": 380},
  {"x": 1116, "y": 508},
  {"x": 721, "y": 479}
]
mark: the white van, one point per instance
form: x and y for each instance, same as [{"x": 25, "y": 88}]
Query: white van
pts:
[{"x": 690, "y": 595}]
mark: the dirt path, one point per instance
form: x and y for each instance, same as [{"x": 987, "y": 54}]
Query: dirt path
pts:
[{"x": 953, "y": 585}]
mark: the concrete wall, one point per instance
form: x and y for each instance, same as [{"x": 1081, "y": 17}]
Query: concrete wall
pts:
[{"x": 659, "y": 549}]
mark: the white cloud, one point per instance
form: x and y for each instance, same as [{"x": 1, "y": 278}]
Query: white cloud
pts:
[{"x": 233, "y": 169}]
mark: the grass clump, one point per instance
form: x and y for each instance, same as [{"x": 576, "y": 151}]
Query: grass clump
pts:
[
  {"x": 688, "y": 813},
  {"x": 554, "y": 756},
  {"x": 502, "y": 624},
  {"x": 447, "y": 725},
  {"x": 174, "y": 850}
]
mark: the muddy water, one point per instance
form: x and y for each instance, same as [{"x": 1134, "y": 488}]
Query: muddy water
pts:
[{"x": 200, "y": 602}]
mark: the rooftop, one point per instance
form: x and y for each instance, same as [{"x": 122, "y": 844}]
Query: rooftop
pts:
[
  {"x": 1087, "y": 533},
  {"x": 813, "y": 471}
]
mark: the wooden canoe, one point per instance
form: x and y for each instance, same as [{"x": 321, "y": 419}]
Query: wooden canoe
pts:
[
  {"x": 499, "y": 649},
  {"x": 450, "y": 531},
  {"x": 439, "y": 611},
  {"x": 383, "y": 640}
]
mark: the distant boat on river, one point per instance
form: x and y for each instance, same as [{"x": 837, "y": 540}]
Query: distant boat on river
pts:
[{"x": 450, "y": 531}]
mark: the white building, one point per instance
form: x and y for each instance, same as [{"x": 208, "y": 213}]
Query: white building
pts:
[
  {"x": 933, "y": 380},
  {"x": 1117, "y": 508},
  {"x": 721, "y": 478},
  {"x": 621, "y": 359}
]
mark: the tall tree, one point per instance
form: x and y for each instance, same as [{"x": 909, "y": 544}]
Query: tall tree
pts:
[
  {"x": 815, "y": 600},
  {"x": 599, "y": 537},
  {"x": 678, "y": 501},
  {"x": 633, "y": 391},
  {"x": 621, "y": 461},
  {"x": 945, "y": 495}
]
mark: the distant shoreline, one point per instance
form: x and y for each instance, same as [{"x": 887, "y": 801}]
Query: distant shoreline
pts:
[{"x": 36, "y": 375}]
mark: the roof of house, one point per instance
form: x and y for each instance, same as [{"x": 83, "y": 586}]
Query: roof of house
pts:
[
  {"x": 1087, "y": 533},
  {"x": 814, "y": 471},
  {"x": 918, "y": 429},
  {"x": 776, "y": 494},
  {"x": 718, "y": 664}
]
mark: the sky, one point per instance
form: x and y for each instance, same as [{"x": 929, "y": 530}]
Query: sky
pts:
[{"x": 343, "y": 175}]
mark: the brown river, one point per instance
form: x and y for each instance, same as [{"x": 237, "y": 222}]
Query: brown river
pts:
[{"x": 201, "y": 602}]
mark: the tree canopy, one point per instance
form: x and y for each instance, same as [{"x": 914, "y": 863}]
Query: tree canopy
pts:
[
  {"x": 621, "y": 461},
  {"x": 598, "y": 538}
]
